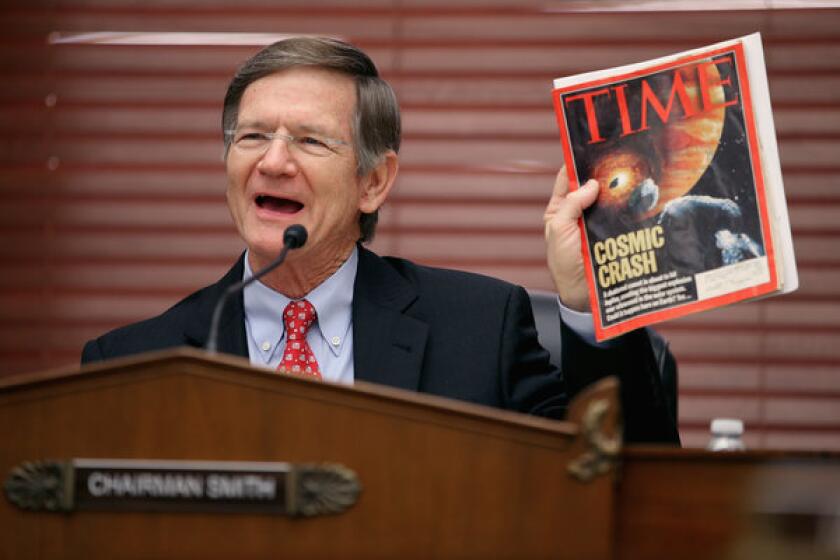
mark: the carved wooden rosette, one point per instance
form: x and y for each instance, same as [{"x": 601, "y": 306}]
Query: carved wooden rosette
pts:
[
  {"x": 322, "y": 490},
  {"x": 39, "y": 485}
]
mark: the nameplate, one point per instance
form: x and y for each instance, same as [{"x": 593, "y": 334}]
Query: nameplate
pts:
[{"x": 192, "y": 486}]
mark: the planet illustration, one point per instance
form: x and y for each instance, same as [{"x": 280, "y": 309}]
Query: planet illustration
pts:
[{"x": 640, "y": 173}]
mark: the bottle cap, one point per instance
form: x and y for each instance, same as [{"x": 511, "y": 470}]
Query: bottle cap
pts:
[{"x": 727, "y": 426}]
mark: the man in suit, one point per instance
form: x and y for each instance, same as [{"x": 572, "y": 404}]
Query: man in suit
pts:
[{"x": 311, "y": 137}]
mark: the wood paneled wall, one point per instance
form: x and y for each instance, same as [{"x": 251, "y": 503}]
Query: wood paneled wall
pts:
[{"x": 111, "y": 181}]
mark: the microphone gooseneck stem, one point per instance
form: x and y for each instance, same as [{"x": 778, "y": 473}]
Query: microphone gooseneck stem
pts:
[
  {"x": 212, "y": 338},
  {"x": 293, "y": 237}
]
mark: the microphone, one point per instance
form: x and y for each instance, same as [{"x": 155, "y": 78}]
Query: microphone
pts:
[{"x": 293, "y": 238}]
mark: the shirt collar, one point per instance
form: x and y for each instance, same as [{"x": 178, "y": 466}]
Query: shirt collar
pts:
[{"x": 332, "y": 299}]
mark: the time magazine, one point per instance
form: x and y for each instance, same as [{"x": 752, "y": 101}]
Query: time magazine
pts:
[{"x": 691, "y": 213}]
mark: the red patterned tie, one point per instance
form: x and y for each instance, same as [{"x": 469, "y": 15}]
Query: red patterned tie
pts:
[{"x": 298, "y": 358}]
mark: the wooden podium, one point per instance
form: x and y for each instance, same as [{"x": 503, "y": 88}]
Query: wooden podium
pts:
[
  {"x": 438, "y": 478},
  {"x": 416, "y": 476}
]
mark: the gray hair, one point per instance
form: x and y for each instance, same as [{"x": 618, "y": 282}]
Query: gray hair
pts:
[{"x": 376, "y": 122}]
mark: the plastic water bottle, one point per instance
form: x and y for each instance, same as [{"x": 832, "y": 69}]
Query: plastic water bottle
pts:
[{"x": 726, "y": 435}]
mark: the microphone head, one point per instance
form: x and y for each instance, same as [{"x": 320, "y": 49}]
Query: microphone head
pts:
[{"x": 295, "y": 236}]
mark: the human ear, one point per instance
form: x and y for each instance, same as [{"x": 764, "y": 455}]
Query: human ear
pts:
[{"x": 377, "y": 184}]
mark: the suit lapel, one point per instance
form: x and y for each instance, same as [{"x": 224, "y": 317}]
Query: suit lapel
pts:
[
  {"x": 232, "y": 325},
  {"x": 388, "y": 345}
]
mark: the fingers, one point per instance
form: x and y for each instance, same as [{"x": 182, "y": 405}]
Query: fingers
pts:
[{"x": 565, "y": 260}]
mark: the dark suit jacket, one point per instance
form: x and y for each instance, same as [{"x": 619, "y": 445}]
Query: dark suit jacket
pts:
[{"x": 443, "y": 332}]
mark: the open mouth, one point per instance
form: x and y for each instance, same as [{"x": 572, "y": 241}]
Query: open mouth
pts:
[{"x": 277, "y": 204}]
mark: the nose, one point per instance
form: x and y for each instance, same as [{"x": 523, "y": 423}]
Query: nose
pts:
[{"x": 277, "y": 160}]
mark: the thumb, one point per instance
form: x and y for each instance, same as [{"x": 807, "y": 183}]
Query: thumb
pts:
[{"x": 575, "y": 202}]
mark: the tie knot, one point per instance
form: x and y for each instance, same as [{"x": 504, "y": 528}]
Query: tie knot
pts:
[{"x": 298, "y": 317}]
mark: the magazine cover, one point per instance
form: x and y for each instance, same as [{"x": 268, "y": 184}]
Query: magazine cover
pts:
[{"x": 682, "y": 222}]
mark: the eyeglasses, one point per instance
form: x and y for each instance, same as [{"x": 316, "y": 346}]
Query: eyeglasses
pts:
[{"x": 258, "y": 142}]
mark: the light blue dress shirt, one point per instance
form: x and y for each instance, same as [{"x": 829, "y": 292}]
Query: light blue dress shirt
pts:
[
  {"x": 582, "y": 324},
  {"x": 331, "y": 336}
]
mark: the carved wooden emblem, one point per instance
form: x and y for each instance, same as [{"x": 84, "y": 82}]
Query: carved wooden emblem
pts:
[{"x": 603, "y": 451}]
